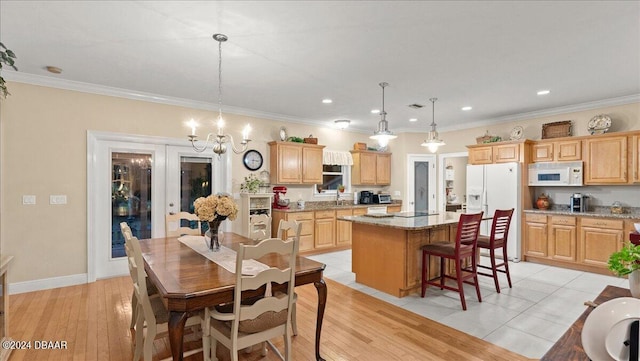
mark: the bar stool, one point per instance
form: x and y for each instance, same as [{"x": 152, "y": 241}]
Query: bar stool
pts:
[
  {"x": 497, "y": 239},
  {"x": 462, "y": 248}
]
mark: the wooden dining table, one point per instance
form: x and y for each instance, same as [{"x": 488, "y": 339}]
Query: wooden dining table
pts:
[{"x": 189, "y": 282}]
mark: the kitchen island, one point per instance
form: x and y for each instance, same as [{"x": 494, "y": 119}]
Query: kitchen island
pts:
[{"x": 386, "y": 250}]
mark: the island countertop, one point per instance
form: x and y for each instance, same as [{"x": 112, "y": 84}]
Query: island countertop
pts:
[{"x": 407, "y": 223}]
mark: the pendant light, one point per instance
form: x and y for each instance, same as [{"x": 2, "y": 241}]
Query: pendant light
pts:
[
  {"x": 432, "y": 142},
  {"x": 383, "y": 135}
]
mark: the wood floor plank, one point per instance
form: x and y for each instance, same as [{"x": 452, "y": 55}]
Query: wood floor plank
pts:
[{"x": 94, "y": 320}]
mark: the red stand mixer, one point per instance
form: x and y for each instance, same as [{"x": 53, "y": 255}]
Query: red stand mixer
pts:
[{"x": 278, "y": 202}]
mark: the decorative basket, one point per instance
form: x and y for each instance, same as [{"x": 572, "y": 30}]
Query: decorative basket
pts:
[
  {"x": 360, "y": 146},
  {"x": 311, "y": 140},
  {"x": 556, "y": 129}
]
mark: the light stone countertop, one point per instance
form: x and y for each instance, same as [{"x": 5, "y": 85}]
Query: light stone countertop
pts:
[
  {"x": 602, "y": 213},
  {"x": 325, "y": 206},
  {"x": 412, "y": 223}
]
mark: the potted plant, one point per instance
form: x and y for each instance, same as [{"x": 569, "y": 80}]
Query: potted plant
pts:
[
  {"x": 627, "y": 262},
  {"x": 6, "y": 57},
  {"x": 340, "y": 188},
  {"x": 251, "y": 184}
]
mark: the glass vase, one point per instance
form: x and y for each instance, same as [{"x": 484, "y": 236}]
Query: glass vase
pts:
[{"x": 215, "y": 234}]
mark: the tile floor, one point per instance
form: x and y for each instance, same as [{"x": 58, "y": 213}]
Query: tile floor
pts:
[{"x": 527, "y": 319}]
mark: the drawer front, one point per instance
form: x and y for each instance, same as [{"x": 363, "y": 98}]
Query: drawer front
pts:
[
  {"x": 300, "y": 216},
  {"x": 602, "y": 223},
  {"x": 537, "y": 218},
  {"x": 307, "y": 228},
  {"x": 325, "y": 214},
  {"x": 344, "y": 212},
  {"x": 392, "y": 209},
  {"x": 566, "y": 220},
  {"x": 359, "y": 211}
]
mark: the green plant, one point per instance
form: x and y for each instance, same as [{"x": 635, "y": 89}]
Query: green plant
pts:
[
  {"x": 626, "y": 260},
  {"x": 6, "y": 57},
  {"x": 295, "y": 139},
  {"x": 340, "y": 188},
  {"x": 251, "y": 184}
]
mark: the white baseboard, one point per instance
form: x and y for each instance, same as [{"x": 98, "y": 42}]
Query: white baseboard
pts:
[{"x": 47, "y": 283}]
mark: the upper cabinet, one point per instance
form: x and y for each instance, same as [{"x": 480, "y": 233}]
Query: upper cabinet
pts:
[
  {"x": 371, "y": 168},
  {"x": 605, "y": 160},
  {"x": 556, "y": 151},
  {"x": 295, "y": 163},
  {"x": 635, "y": 158},
  {"x": 503, "y": 152}
]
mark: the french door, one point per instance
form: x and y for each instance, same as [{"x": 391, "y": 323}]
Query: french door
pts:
[{"x": 138, "y": 180}]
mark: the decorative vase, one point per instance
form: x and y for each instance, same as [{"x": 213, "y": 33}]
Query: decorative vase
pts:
[
  {"x": 214, "y": 234},
  {"x": 542, "y": 202},
  {"x": 634, "y": 283}
]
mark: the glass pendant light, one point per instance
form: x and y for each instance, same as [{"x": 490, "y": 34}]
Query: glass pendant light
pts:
[
  {"x": 432, "y": 142},
  {"x": 383, "y": 134}
]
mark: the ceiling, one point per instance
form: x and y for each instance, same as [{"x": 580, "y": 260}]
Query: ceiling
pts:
[{"x": 282, "y": 58}]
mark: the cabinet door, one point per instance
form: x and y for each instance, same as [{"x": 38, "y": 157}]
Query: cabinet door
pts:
[
  {"x": 542, "y": 152},
  {"x": 306, "y": 230},
  {"x": 343, "y": 228},
  {"x": 506, "y": 153},
  {"x": 289, "y": 165},
  {"x": 383, "y": 169},
  {"x": 536, "y": 239},
  {"x": 481, "y": 155},
  {"x": 568, "y": 150},
  {"x": 367, "y": 168},
  {"x": 635, "y": 159},
  {"x": 324, "y": 232},
  {"x": 562, "y": 242},
  {"x": 312, "y": 165},
  {"x": 596, "y": 244},
  {"x": 606, "y": 160}
]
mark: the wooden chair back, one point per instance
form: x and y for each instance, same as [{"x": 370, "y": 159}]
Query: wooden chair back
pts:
[
  {"x": 289, "y": 229},
  {"x": 468, "y": 230},
  {"x": 500, "y": 226},
  {"x": 174, "y": 228},
  {"x": 259, "y": 227}
]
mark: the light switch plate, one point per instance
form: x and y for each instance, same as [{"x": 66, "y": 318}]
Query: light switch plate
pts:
[
  {"x": 396, "y": 193},
  {"x": 58, "y": 199},
  {"x": 28, "y": 199}
]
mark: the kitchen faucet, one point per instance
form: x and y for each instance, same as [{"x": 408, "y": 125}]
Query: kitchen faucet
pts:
[{"x": 337, "y": 197}]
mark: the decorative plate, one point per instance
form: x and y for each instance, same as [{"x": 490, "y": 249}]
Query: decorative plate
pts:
[
  {"x": 516, "y": 133},
  {"x": 283, "y": 134},
  {"x": 599, "y": 124}
]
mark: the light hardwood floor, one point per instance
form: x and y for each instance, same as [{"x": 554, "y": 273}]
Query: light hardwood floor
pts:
[{"x": 94, "y": 320}]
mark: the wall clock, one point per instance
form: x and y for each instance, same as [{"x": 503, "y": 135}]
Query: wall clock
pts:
[{"x": 252, "y": 160}]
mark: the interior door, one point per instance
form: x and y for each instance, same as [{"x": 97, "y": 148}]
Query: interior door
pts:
[{"x": 421, "y": 183}]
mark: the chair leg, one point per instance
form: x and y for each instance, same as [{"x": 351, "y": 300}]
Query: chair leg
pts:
[
  {"x": 474, "y": 268},
  {"x": 214, "y": 349},
  {"x": 424, "y": 275},
  {"x": 506, "y": 264},
  {"x": 442, "y": 264},
  {"x": 459, "y": 279},
  {"x": 294, "y": 324},
  {"x": 494, "y": 269},
  {"x": 134, "y": 309},
  {"x": 207, "y": 351}
]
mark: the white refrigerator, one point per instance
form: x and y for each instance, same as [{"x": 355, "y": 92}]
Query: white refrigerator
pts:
[{"x": 497, "y": 186}]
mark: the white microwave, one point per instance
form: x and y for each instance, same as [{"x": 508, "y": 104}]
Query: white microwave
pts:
[{"x": 555, "y": 174}]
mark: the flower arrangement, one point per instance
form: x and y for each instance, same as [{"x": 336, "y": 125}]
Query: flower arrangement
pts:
[
  {"x": 626, "y": 260},
  {"x": 219, "y": 206},
  {"x": 251, "y": 184}
]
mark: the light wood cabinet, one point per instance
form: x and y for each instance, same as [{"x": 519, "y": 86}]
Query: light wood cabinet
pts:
[
  {"x": 359, "y": 211},
  {"x": 394, "y": 209},
  {"x": 562, "y": 238},
  {"x": 503, "y": 152},
  {"x": 535, "y": 227},
  {"x": 599, "y": 238},
  {"x": 635, "y": 159},
  {"x": 325, "y": 225},
  {"x": 343, "y": 228},
  {"x": 306, "y": 231},
  {"x": 370, "y": 168},
  {"x": 559, "y": 151},
  {"x": 606, "y": 160},
  {"x": 295, "y": 163}
]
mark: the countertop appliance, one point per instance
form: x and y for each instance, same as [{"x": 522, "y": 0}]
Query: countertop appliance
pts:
[
  {"x": 496, "y": 186},
  {"x": 555, "y": 174},
  {"x": 382, "y": 199},
  {"x": 579, "y": 203},
  {"x": 366, "y": 197},
  {"x": 279, "y": 191}
]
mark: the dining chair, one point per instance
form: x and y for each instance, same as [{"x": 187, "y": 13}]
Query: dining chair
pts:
[
  {"x": 259, "y": 227},
  {"x": 291, "y": 230},
  {"x": 268, "y": 317},
  {"x": 152, "y": 316},
  {"x": 497, "y": 239},
  {"x": 174, "y": 228},
  {"x": 462, "y": 248}
]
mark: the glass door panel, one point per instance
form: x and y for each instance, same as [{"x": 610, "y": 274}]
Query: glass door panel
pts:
[
  {"x": 195, "y": 182},
  {"x": 421, "y": 184},
  {"x": 130, "y": 197}
]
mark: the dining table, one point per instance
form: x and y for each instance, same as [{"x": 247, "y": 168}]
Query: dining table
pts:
[{"x": 189, "y": 282}]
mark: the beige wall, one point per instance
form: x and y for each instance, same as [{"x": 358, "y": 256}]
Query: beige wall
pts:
[{"x": 44, "y": 152}]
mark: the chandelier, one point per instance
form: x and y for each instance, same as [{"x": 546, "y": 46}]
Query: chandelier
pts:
[
  {"x": 383, "y": 135},
  {"x": 219, "y": 140},
  {"x": 432, "y": 141}
]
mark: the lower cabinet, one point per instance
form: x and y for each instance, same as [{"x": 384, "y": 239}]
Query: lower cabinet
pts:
[
  {"x": 562, "y": 238},
  {"x": 325, "y": 229},
  {"x": 306, "y": 232},
  {"x": 599, "y": 238},
  {"x": 343, "y": 228},
  {"x": 535, "y": 229}
]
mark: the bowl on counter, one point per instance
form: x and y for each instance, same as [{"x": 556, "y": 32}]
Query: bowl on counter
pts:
[
  {"x": 282, "y": 202},
  {"x": 637, "y": 225}
]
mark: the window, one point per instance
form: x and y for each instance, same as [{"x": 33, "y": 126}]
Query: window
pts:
[{"x": 333, "y": 176}]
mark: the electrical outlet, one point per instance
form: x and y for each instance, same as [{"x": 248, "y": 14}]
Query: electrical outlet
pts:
[
  {"x": 28, "y": 199},
  {"x": 58, "y": 199}
]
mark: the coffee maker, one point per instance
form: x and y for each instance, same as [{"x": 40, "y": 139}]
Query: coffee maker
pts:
[
  {"x": 366, "y": 197},
  {"x": 579, "y": 203}
]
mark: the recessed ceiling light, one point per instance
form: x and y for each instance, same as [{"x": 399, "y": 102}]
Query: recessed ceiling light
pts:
[
  {"x": 375, "y": 111},
  {"x": 413, "y": 119},
  {"x": 327, "y": 101},
  {"x": 544, "y": 92},
  {"x": 466, "y": 108}
]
